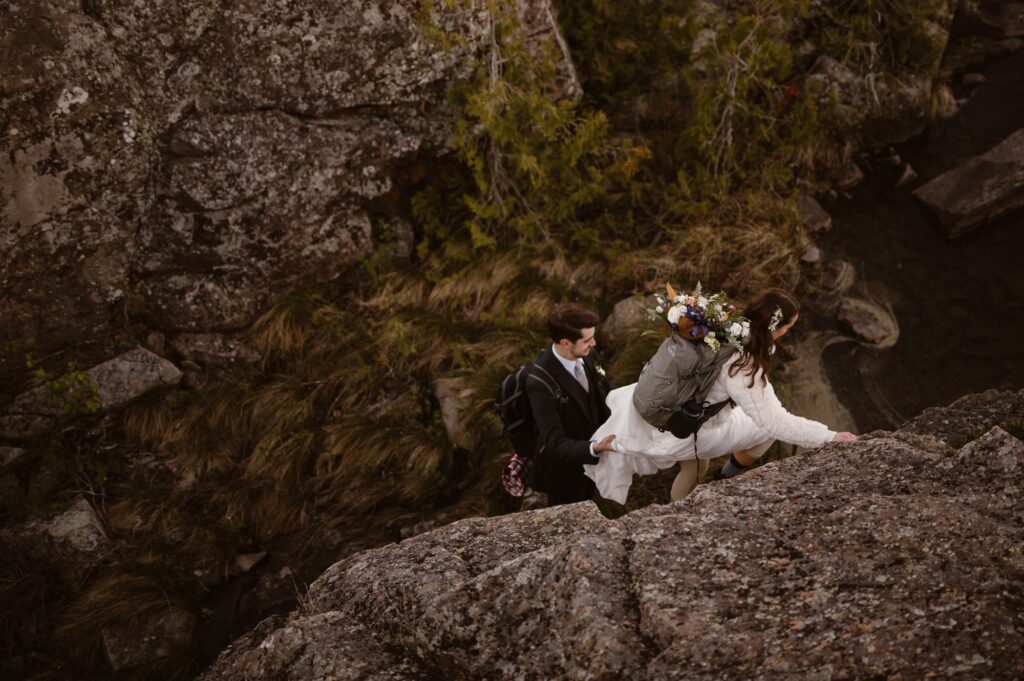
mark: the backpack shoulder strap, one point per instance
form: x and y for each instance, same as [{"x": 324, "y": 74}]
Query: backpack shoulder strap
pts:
[{"x": 552, "y": 387}]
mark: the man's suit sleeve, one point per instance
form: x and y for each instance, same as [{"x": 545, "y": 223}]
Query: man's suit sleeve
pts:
[{"x": 550, "y": 432}]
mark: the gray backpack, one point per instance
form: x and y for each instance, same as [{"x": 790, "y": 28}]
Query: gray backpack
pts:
[{"x": 672, "y": 390}]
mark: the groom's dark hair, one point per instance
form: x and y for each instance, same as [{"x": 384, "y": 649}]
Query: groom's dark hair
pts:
[{"x": 568, "y": 321}]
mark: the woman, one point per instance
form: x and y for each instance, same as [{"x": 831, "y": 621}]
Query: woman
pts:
[{"x": 746, "y": 426}]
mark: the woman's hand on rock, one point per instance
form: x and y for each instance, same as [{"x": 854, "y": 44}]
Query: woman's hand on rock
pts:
[
  {"x": 845, "y": 437},
  {"x": 605, "y": 445}
]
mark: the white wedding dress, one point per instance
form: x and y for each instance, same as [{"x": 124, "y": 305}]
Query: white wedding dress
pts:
[{"x": 641, "y": 449}]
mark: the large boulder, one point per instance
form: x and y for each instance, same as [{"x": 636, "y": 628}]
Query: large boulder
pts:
[
  {"x": 979, "y": 190},
  {"x": 108, "y": 385},
  {"x": 894, "y": 555},
  {"x": 195, "y": 160}
]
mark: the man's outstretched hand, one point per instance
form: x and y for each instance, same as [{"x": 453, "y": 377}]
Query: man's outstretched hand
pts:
[
  {"x": 844, "y": 437},
  {"x": 605, "y": 445}
]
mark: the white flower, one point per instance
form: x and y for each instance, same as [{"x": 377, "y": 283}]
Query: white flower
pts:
[
  {"x": 599, "y": 369},
  {"x": 702, "y": 301},
  {"x": 712, "y": 342},
  {"x": 659, "y": 309},
  {"x": 675, "y": 312},
  {"x": 735, "y": 329}
]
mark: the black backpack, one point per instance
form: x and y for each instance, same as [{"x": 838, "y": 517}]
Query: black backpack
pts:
[{"x": 513, "y": 405}]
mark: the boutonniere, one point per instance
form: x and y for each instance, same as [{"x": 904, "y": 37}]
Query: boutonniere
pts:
[{"x": 599, "y": 369}]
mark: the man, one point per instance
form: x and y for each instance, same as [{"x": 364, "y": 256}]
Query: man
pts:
[{"x": 564, "y": 426}]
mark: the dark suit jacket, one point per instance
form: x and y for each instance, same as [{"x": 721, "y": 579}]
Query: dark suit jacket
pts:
[{"x": 564, "y": 430}]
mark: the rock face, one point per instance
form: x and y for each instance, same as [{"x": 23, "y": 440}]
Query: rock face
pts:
[
  {"x": 198, "y": 159},
  {"x": 895, "y": 556},
  {"x": 980, "y": 189}
]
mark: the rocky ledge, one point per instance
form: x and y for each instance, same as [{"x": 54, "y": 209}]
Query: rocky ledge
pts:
[{"x": 898, "y": 556}]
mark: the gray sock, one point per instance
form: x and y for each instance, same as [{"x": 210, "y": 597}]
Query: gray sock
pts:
[{"x": 731, "y": 468}]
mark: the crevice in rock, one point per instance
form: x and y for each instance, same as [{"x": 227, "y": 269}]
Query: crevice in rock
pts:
[{"x": 651, "y": 647}]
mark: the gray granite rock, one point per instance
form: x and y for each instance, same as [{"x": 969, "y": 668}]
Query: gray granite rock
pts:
[
  {"x": 79, "y": 528},
  {"x": 979, "y": 190},
  {"x": 891, "y": 556},
  {"x": 198, "y": 160},
  {"x": 108, "y": 385}
]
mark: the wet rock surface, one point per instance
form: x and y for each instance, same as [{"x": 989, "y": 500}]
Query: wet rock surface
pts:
[{"x": 895, "y": 556}]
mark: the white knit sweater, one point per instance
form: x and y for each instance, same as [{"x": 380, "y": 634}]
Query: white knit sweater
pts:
[{"x": 763, "y": 407}]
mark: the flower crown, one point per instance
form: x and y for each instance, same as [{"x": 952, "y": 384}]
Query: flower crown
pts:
[
  {"x": 776, "y": 318},
  {"x": 713, "y": 317}
]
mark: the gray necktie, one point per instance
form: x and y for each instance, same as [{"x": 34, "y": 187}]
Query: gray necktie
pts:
[{"x": 581, "y": 376}]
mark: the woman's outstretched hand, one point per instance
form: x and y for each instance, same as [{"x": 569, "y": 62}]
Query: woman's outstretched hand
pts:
[
  {"x": 605, "y": 445},
  {"x": 845, "y": 437}
]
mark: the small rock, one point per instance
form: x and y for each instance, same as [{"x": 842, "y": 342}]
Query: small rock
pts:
[
  {"x": 812, "y": 255},
  {"x": 944, "y": 104},
  {"x": 247, "y": 561},
  {"x": 79, "y": 527},
  {"x": 973, "y": 79},
  {"x": 838, "y": 276},
  {"x": 996, "y": 449},
  {"x": 627, "y": 317},
  {"x": 815, "y": 218},
  {"x": 9, "y": 455},
  {"x": 448, "y": 392},
  {"x": 850, "y": 177},
  {"x": 868, "y": 322},
  {"x": 156, "y": 342},
  {"x": 908, "y": 175}
]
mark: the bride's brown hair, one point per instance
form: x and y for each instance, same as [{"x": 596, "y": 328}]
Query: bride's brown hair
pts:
[{"x": 757, "y": 352}]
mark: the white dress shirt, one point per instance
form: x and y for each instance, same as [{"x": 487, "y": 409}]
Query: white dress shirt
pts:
[{"x": 570, "y": 366}]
